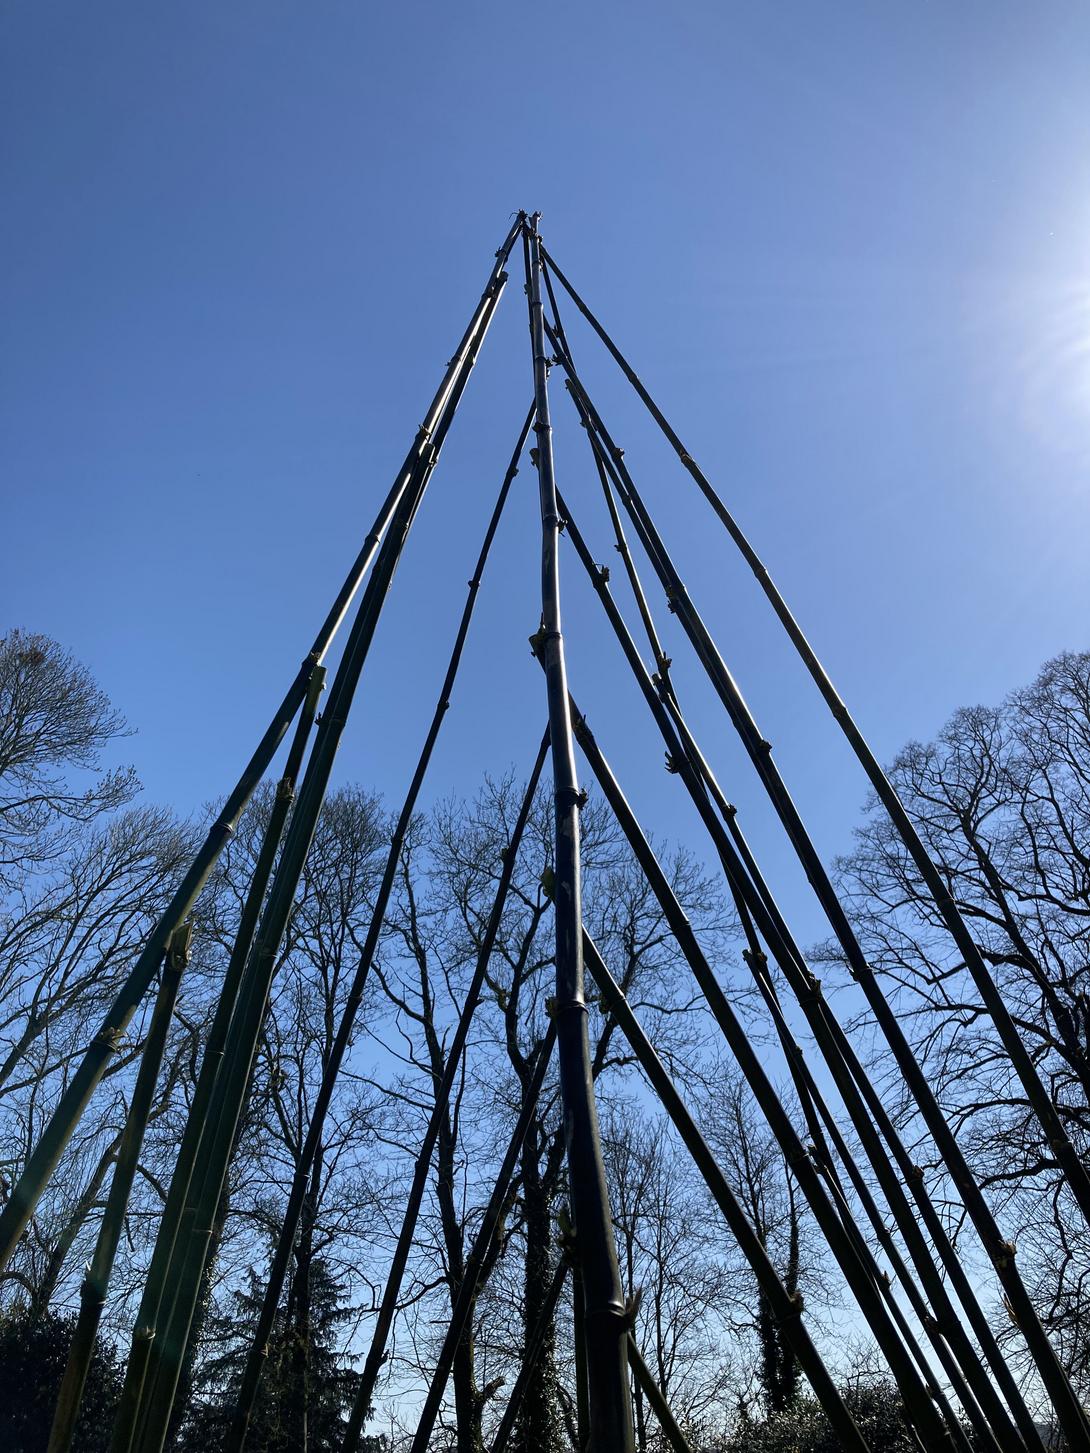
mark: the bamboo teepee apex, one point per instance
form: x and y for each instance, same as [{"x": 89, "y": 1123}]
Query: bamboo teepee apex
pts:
[{"x": 856, "y": 1159}]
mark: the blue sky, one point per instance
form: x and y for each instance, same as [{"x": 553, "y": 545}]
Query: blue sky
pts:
[{"x": 845, "y": 245}]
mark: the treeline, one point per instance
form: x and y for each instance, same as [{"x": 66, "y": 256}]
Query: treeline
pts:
[{"x": 85, "y": 868}]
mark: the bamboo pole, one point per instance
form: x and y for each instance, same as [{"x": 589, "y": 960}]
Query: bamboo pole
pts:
[
  {"x": 1000, "y": 1252},
  {"x": 77, "y": 1093},
  {"x": 840, "y": 1243},
  {"x": 392, "y": 1289},
  {"x": 819, "y": 1121},
  {"x": 810, "y": 1098},
  {"x": 155, "y": 1281},
  {"x": 805, "y": 1087},
  {"x": 469, "y": 1288},
  {"x": 940, "y": 1320},
  {"x": 1076, "y": 1173},
  {"x": 151, "y": 1419},
  {"x": 289, "y": 1226},
  {"x": 610, "y": 1404},
  {"x": 748, "y": 885},
  {"x": 786, "y": 1308},
  {"x": 97, "y": 1280},
  {"x": 166, "y": 1351}
]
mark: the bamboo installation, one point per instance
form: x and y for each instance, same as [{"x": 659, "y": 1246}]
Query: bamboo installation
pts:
[{"x": 868, "y": 1198}]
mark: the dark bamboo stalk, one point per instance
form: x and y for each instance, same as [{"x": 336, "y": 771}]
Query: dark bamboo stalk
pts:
[
  {"x": 392, "y": 1290},
  {"x": 289, "y": 1226},
  {"x": 97, "y": 1280},
  {"x": 840, "y": 1243},
  {"x": 786, "y": 1308},
  {"x": 820, "y": 1120},
  {"x": 168, "y": 1350},
  {"x": 610, "y": 1404},
  {"x": 1000, "y": 1252},
  {"x": 748, "y": 885},
  {"x": 156, "y": 1278},
  {"x": 530, "y": 1355},
  {"x": 805, "y": 1088},
  {"x": 943, "y": 1324},
  {"x": 1076, "y": 1173},
  {"x": 470, "y": 1285}
]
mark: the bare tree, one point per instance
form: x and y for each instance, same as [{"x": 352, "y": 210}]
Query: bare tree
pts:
[
  {"x": 84, "y": 873},
  {"x": 317, "y": 959},
  {"x": 1001, "y": 798},
  {"x": 55, "y": 722},
  {"x": 457, "y": 867}
]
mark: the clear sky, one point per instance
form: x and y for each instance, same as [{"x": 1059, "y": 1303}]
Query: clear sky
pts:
[{"x": 846, "y": 245}]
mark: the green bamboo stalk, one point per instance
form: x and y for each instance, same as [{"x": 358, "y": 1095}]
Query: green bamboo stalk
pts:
[
  {"x": 151, "y": 1418},
  {"x": 197, "y": 1121},
  {"x": 748, "y": 885},
  {"x": 289, "y": 1226},
  {"x": 97, "y": 1280},
  {"x": 472, "y": 1277},
  {"x": 1075, "y": 1172},
  {"x": 51, "y": 1144},
  {"x": 610, "y": 1404},
  {"x": 1000, "y": 1252},
  {"x": 77, "y": 1094},
  {"x": 819, "y": 1119},
  {"x": 186, "y": 1271},
  {"x": 579, "y": 1349}
]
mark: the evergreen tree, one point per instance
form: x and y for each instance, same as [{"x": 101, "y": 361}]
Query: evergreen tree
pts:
[
  {"x": 307, "y": 1389},
  {"x": 33, "y": 1356}
]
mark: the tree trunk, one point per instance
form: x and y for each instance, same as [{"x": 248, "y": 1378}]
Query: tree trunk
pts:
[{"x": 539, "y": 1425}]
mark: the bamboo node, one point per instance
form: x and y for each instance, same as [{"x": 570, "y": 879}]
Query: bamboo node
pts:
[
  {"x": 632, "y": 1310},
  {"x": 178, "y": 947},
  {"x": 571, "y": 797},
  {"x": 91, "y": 1295}
]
